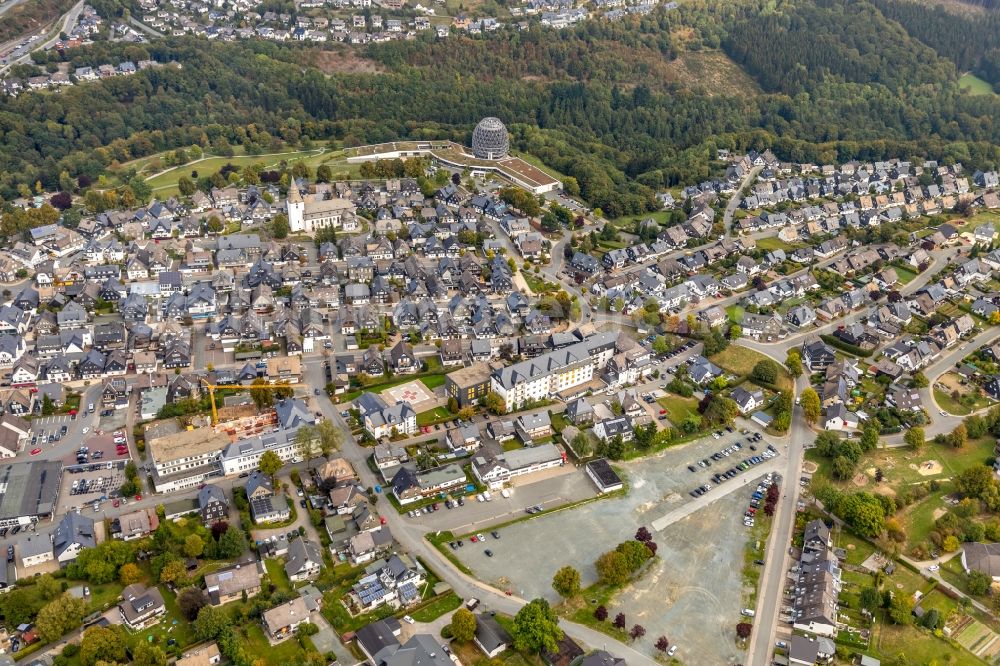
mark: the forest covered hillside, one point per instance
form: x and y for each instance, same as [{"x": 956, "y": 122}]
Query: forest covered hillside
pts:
[{"x": 627, "y": 107}]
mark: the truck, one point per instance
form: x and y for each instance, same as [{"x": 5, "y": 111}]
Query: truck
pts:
[{"x": 472, "y": 603}]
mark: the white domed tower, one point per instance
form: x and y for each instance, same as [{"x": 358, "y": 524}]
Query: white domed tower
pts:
[{"x": 490, "y": 140}]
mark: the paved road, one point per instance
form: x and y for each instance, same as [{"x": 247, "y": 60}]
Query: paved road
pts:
[
  {"x": 145, "y": 28},
  {"x": 411, "y": 537},
  {"x": 65, "y": 24},
  {"x": 779, "y": 349},
  {"x": 734, "y": 201},
  {"x": 773, "y": 576},
  {"x": 945, "y": 423},
  {"x": 720, "y": 301},
  {"x": 771, "y": 583}
]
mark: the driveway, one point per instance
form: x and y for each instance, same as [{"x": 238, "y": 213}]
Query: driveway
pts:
[
  {"x": 326, "y": 641},
  {"x": 301, "y": 518}
]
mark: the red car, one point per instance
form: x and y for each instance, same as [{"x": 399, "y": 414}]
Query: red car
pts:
[
  {"x": 663, "y": 411},
  {"x": 473, "y": 539},
  {"x": 138, "y": 497},
  {"x": 35, "y": 452},
  {"x": 117, "y": 503}
]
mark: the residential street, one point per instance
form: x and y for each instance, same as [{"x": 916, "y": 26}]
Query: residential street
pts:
[{"x": 411, "y": 537}]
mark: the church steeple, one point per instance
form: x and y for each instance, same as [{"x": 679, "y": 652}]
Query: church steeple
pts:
[{"x": 294, "y": 196}]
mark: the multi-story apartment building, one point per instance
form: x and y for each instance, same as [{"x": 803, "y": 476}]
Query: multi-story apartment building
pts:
[{"x": 558, "y": 372}]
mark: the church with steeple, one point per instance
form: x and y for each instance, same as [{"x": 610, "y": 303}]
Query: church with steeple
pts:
[{"x": 307, "y": 214}]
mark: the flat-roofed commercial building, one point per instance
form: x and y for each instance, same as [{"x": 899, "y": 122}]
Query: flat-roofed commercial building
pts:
[
  {"x": 28, "y": 491},
  {"x": 468, "y": 385},
  {"x": 184, "y": 459}
]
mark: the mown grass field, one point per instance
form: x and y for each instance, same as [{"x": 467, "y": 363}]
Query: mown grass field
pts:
[
  {"x": 167, "y": 180},
  {"x": 905, "y": 275},
  {"x": 678, "y": 408},
  {"x": 975, "y": 85},
  {"x": 739, "y": 360},
  {"x": 775, "y": 243}
]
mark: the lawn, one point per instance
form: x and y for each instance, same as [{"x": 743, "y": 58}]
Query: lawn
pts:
[
  {"x": 918, "y": 519},
  {"x": 437, "y": 608},
  {"x": 580, "y": 609},
  {"x": 983, "y": 217},
  {"x": 857, "y": 549},
  {"x": 975, "y": 85},
  {"x": 172, "y": 625},
  {"x": 210, "y": 165},
  {"x": 276, "y": 573},
  {"x": 918, "y": 646},
  {"x": 905, "y": 275},
  {"x": 936, "y": 600},
  {"x": 953, "y": 573},
  {"x": 470, "y": 655},
  {"x": 678, "y": 408},
  {"x": 432, "y": 416},
  {"x": 660, "y": 216},
  {"x": 901, "y": 466},
  {"x": 287, "y": 652},
  {"x": 538, "y": 284},
  {"x": 432, "y": 381},
  {"x": 949, "y": 404},
  {"x": 774, "y": 243},
  {"x": 739, "y": 360},
  {"x": 103, "y": 596}
]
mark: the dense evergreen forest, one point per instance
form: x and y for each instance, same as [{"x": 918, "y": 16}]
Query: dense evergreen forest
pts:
[
  {"x": 971, "y": 41},
  {"x": 840, "y": 81}
]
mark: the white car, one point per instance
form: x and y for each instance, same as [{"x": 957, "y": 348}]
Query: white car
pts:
[
  {"x": 944, "y": 413},
  {"x": 407, "y": 618},
  {"x": 672, "y": 651},
  {"x": 934, "y": 567}
]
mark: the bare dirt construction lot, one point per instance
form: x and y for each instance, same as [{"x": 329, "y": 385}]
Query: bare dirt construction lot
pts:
[
  {"x": 344, "y": 61},
  {"x": 691, "y": 594}
]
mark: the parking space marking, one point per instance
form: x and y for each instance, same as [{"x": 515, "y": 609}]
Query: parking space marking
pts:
[{"x": 715, "y": 494}]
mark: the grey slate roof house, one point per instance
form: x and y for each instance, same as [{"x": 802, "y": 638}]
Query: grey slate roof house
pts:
[
  {"x": 73, "y": 533},
  {"x": 303, "y": 561},
  {"x": 213, "y": 504}
]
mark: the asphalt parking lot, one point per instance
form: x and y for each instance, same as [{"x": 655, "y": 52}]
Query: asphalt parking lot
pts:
[
  {"x": 569, "y": 485},
  {"x": 47, "y": 428},
  {"x": 691, "y": 595},
  {"x": 103, "y": 445},
  {"x": 100, "y": 482}
]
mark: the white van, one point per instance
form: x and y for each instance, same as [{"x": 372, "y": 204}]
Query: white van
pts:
[
  {"x": 505, "y": 493},
  {"x": 487, "y": 496}
]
